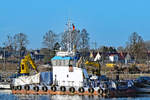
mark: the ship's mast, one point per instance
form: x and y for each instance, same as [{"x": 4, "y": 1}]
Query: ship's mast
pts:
[{"x": 69, "y": 36}]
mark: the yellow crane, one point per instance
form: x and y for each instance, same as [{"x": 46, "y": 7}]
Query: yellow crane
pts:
[
  {"x": 92, "y": 63},
  {"x": 24, "y": 66},
  {"x": 112, "y": 65}
]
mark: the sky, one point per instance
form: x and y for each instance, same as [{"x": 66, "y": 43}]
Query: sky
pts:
[{"x": 108, "y": 22}]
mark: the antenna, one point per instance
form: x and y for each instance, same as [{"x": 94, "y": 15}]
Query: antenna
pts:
[{"x": 69, "y": 35}]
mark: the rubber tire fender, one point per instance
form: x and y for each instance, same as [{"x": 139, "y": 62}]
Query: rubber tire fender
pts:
[
  {"x": 36, "y": 88},
  {"x": 72, "y": 89},
  {"x": 14, "y": 88},
  {"x": 53, "y": 88},
  {"x": 90, "y": 90},
  {"x": 44, "y": 88},
  {"x": 63, "y": 88},
  {"x": 27, "y": 87},
  {"x": 100, "y": 91},
  {"x": 19, "y": 87},
  {"x": 81, "y": 90}
]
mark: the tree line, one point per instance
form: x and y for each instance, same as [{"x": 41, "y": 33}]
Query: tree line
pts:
[
  {"x": 75, "y": 38},
  {"x": 135, "y": 45},
  {"x": 51, "y": 41}
]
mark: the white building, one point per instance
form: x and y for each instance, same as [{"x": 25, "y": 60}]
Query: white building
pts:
[
  {"x": 113, "y": 58},
  {"x": 65, "y": 73},
  {"x": 98, "y": 57}
]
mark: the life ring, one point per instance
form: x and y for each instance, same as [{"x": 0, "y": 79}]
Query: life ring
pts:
[
  {"x": 91, "y": 90},
  {"x": 62, "y": 88},
  {"x": 100, "y": 91},
  {"x": 27, "y": 87},
  {"x": 36, "y": 88},
  {"x": 44, "y": 88},
  {"x": 72, "y": 89},
  {"x": 53, "y": 88},
  {"x": 81, "y": 90},
  {"x": 19, "y": 87}
]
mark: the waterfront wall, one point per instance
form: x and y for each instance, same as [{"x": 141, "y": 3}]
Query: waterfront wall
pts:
[{"x": 125, "y": 76}]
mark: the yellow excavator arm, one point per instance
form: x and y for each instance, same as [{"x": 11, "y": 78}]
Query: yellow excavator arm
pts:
[{"x": 24, "y": 64}]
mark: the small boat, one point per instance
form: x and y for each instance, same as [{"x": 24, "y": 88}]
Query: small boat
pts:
[
  {"x": 5, "y": 88},
  {"x": 118, "y": 88},
  {"x": 142, "y": 85}
]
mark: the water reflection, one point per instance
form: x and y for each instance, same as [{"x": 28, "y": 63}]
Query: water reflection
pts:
[
  {"x": 62, "y": 97},
  {"x": 33, "y": 97},
  {"x": 56, "y": 97},
  {"x": 65, "y": 97}
]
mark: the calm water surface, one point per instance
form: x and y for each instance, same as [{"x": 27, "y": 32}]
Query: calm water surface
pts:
[{"x": 62, "y": 97}]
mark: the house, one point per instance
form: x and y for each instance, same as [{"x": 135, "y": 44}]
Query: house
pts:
[
  {"x": 128, "y": 59},
  {"x": 113, "y": 58},
  {"x": 92, "y": 55},
  {"x": 121, "y": 57},
  {"x": 37, "y": 55},
  {"x": 98, "y": 57}
]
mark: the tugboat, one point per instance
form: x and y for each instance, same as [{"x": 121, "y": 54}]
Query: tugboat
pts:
[{"x": 68, "y": 77}]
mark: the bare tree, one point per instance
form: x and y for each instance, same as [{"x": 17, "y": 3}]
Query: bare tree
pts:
[
  {"x": 120, "y": 49},
  {"x": 64, "y": 40},
  {"x": 147, "y": 43},
  {"x": 7, "y": 47},
  {"x": 49, "y": 39},
  {"x": 70, "y": 37},
  {"x": 15, "y": 43},
  {"x": 20, "y": 42},
  {"x": 9, "y": 42},
  {"x": 75, "y": 38},
  {"x": 84, "y": 39},
  {"x": 136, "y": 47}
]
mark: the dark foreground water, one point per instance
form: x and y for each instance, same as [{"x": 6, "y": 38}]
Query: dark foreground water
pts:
[{"x": 62, "y": 97}]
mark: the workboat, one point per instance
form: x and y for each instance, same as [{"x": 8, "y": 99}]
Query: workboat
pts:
[{"x": 68, "y": 76}]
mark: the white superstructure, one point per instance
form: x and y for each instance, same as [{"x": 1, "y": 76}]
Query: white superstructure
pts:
[
  {"x": 65, "y": 73},
  {"x": 62, "y": 76}
]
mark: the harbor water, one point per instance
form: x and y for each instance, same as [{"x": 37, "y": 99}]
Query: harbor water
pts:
[{"x": 64, "y": 97}]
